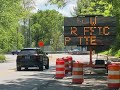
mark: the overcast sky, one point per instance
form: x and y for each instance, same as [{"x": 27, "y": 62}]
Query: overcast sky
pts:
[{"x": 40, "y": 4}]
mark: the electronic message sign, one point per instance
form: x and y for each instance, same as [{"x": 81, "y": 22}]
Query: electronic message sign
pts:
[
  {"x": 89, "y": 30},
  {"x": 90, "y": 21}
]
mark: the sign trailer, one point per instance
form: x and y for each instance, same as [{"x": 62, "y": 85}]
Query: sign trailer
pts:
[{"x": 89, "y": 31}]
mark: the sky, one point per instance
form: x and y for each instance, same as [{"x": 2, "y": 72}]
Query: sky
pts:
[{"x": 66, "y": 11}]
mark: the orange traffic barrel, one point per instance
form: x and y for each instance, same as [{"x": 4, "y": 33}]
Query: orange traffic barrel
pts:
[
  {"x": 70, "y": 65},
  {"x": 114, "y": 76},
  {"x": 66, "y": 65},
  {"x": 60, "y": 68},
  {"x": 77, "y": 73},
  {"x": 118, "y": 63}
]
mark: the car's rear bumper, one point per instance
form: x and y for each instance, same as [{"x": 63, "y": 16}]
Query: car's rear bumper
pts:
[{"x": 29, "y": 64}]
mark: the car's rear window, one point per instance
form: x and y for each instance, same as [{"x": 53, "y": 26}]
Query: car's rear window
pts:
[
  {"x": 28, "y": 51},
  {"x": 99, "y": 62}
]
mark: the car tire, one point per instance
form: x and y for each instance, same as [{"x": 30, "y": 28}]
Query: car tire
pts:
[
  {"x": 18, "y": 68},
  {"x": 41, "y": 68},
  {"x": 12, "y": 53},
  {"x": 26, "y": 68},
  {"x": 47, "y": 66}
]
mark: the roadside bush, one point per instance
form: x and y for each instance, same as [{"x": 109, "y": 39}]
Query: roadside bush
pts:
[
  {"x": 105, "y": 52},
  {"x": 118, "y": 54},
  {"x": 2, "y": 58},
  {"x": 112, "y": 53}
]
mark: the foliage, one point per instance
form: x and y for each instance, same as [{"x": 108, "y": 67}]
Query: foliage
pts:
[
  {"x": 92, "y": 7},
  {"x": 59, "y": 3},
  {"x": 105, "y": 52},
  {"x": 28, "y": 6},
  {"x": 112, "y": 53},
  {"x": 118, "y": 54},
  {"x": 88, "y": 7},
  {"x": 47, "y": 25},
  {"x": 116, "y": 12},
  {"x": 2, "y": 58},
  {"x": 11, "y": 14}
]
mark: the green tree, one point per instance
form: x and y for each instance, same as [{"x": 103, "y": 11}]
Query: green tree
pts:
[
  {"x": 116, "y": 12},
  {"x": 11, "y": 14},
  {"x": 28, "y": 6},
  {"x": 93, "y": 7},
  {"x": 47, "y": 25},
  {"x": 59, "y": 3}
]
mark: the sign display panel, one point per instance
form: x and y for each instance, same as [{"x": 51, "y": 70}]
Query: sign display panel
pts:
[
  {"x": 90, "y": 21},
  {"x": 89, "y": 31},
  {"x": 88, "y": 40}
]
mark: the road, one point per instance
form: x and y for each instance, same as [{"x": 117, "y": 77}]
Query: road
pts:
[{"x": 10, "y": 79}]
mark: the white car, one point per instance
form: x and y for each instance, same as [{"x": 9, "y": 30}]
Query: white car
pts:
[{"x": 75, "y": 52}]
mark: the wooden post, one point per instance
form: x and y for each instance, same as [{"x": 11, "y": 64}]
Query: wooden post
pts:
[{"x": 90, "y": 56}]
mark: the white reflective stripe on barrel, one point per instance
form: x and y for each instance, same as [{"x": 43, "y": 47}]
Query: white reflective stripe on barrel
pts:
[
  {"x": 70, "y": 67},
  {"x": 113, "y": 72},
  {"x": 77, "y": 69},
  {"x": 60, "y": 66},
  {"x": 60, "y": 72},
  {"x": 77, "y": 76},
  {"x": 113, "y": 80}
]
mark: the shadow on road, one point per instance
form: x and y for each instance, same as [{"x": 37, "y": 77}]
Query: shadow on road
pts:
[{"x": 44, "y": 80}]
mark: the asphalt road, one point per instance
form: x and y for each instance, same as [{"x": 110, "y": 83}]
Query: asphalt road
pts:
[{"x": 10, "y": 79}]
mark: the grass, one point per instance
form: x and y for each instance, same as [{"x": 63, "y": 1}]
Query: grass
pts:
[
  {"x": 118, "y": 54},
  {"x": 2, "y": 58},
  {"x": 112, "y": 53},
  {"x": 105, "y": 52}
]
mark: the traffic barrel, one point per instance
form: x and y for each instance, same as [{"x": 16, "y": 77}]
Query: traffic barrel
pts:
[
  {"x": 114, "y": 76},
  {"x": 77, "y": 73},
  {"x": 70, "y": 64},
  {"x": 60, "y": 68},
  {"x": 66, "y": 65},
  {"x": 118, "y": 63}
]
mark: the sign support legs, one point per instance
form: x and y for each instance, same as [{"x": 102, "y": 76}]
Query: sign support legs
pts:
[{"x": 90, "y": 56}]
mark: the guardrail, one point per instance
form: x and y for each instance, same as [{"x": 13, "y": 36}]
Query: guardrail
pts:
[
  {"x": 54, "y": 52},
  {"x": 58, "y": 52}
]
